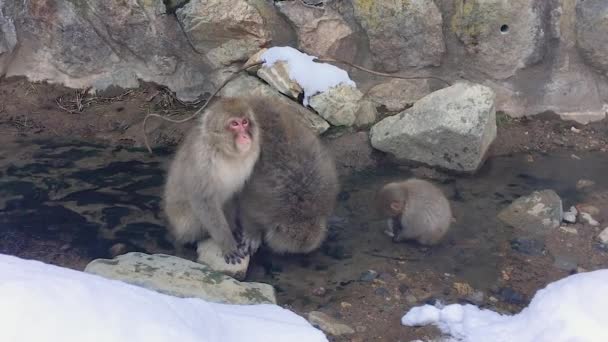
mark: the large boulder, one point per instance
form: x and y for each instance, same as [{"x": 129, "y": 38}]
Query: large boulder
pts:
[
  {"x": 321, "y": 31},
  {"x": 402, "y": 33},
  {"x": 230, "y": 31},
  {"x": 181, "y": 278},
  {"x": 500, "y": 36},
  {"x": 451, "y": 128},
  {"x": 592, "y": 32}
]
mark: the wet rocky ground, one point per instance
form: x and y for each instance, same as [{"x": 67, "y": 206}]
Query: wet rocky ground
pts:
[{"x": 77, "y": 185}]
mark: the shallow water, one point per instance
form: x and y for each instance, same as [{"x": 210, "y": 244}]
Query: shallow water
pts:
[{"x": 91, "y": 196}]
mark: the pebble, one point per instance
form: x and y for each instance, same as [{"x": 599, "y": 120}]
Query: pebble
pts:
[
  {"x": 403, "y": 288},
  {"x": 411, "y": 299},
  {"x": 527, "y": 246},
  {"x": 382, "y": 291},
  {"x": 368, "y": 276},
  {"x": 511, "y": 296},
  {"x": 587, "y": 208},
  {"x": 319, "y": 291},
  {"x": 476, "y": 298},
  {"x": 346, "y": 305},
  {"x": 463, "y": 289},
  {"x": 584, "y": 183},
  {"x": 493, "y": 299},
  {"x": 65, "y": 247},
  {"x": 603, "y": 237},
  {"x": 575, "y": 130},
  {"x": 569, "y": 230},
  {"x": 117, "y": 249},
  {"x": 587, "y": 218},
  {"x": 570, "y": 215},
  {"x": 329, "y": 324}
]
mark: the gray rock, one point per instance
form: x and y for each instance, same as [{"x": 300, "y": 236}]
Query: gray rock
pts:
[
  {"x": 367, "y": 114},
  {"x": 321, "y": 31},
  {"x": 329, "y": 324},
  {"x": 476, "y": 298},
  {"x": 368, "y": 275},
  {"x": 402, "y": 33},
  {"x": 8, "y": 40},
  {"x": 230, "y": 31},
  {"x": 501, "y": 37},
  {"x": 397, "y": 94},
  {"x": 182, "y": 278},
  {"x": 209, "y": 253},
  {"x": 586, "y": 217},
  {"x": 537, "y": 213},
  {"x": 592, "y": 32},
  {"x": 603, "y": 237},
  {"x": 248, "y": 85},
  {"x": 570, "y": 215},
  {"x": 452, "y": 128},
  {"x": 338, "y": 105},
  {"x": 103, "y": 43}
]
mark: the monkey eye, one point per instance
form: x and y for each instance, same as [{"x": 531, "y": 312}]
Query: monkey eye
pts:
[
  {"x": 234, "y": 123},
  {"x": 245, "y": 121}
]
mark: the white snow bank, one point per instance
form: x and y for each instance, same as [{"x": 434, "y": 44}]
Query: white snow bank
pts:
[
  {"x": 45, "y": 303},
  {"x": 313, "y": 77},
  {"x": 573, "y": 309}
]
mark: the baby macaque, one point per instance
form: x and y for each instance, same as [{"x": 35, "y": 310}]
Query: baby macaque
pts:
[
  {"x": 212, "y": 164},
  {"x": 417, "y": 210},
  {"x": 293, "y": 188}
]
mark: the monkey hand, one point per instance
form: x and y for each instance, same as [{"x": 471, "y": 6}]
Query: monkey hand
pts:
[
  {"x": 232, "y": 252},
  {"x": 250, "y": 244}
]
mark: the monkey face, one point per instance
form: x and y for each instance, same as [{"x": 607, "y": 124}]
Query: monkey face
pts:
[{"x": 240, "y": 127}]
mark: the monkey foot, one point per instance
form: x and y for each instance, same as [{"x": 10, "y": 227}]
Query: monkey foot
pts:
[{"x": 234, "y": 257}]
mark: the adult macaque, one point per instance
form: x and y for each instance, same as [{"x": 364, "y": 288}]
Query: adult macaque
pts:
[
  {"x": 293, "y": 188},
  {"x": 212, "y": 164},
  {"x": 416, "y": 210}
]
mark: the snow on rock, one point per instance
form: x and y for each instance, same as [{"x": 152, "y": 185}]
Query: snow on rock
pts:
[
  {"x": 46, "y": 303},
  {"x": 313, "y": 77},
  {"x": 569, "y": 310},
  {"x": 182, "y": 278}
]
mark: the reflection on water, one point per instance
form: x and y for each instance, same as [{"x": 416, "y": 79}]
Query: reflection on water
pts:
[{"x": 93, "y": 196}]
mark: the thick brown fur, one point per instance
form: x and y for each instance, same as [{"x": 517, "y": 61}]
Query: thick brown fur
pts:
[
  {"x": 416, "y": 210},
  {"x": 206, "y": 172},
  {"x": 293, "y": 188}
]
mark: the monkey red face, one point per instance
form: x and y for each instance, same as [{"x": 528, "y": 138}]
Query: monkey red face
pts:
[{"x": 240, "y": 128}]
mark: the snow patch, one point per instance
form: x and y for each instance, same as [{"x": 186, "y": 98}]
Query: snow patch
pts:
[
  {"x": 572, "y": 309},
  {"x": 46, "y": 303},
  {"x": 313, "y": 77}
]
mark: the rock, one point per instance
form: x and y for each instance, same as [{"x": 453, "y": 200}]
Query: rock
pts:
[
  {"x": 278, "y": 77},
  {"x": 338, "y": 105},
  {"x": 586, "y": 217},
  {"x": 582, "y": 184},
  {"x": 398, "y": 94},
  {"x": 452, "y": 128},
  {"x": 603, "y": 237},
  {"x": 592, "y": 32},
  {"x": 536, "y": 213},
  {"x": 117, "y": 249},
  {"x": 382, "y": 292},
  {"x": 462, "y": 289},
  {"x": 501, "y": 37},
  {"x": 588, "y": 208},
  {"x": 319, "y": 291},
  {"x": 401, "y": 33},
  {"x": 528, "y": 246},
  {"x": 8, "y": 40},
  {"x": 565, "y": 263},
  {"x": 321, "y": 31},
  {"x": 100, "y": 44},
  {"x": 227, "y": 32},
  {"x": 346, "y": 305},
  {"x": 511, "y": 296},
  {"x": 210, "y": 254},
  {"x": 248, "y": 85},
  {"x": 329, "y": 324},
  {"x": 367, "y": 114},
  {"x": 569, "y": 230},
  {"x": 368, "y": 276},
  {"x": 182, "y": 278},
  {"x": 570, "y": 215},
  {"x": 411, "y": 299}
]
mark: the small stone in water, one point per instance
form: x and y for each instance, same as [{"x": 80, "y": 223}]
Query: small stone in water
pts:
[
  {"x": 476, "y": 297},
  {"x": 587, "y": 218},
  {"x": 411, "y": 299},
  {"x": 368, "y": 276},
  {"x": 569, "y": 230},
  {"x": 345, "y": 305},
  {"x": 319, "y": 291},
  {"x": 584, "y": 183},
  {"x": 603, "y": 237},
  {"x": 570, "y": 215}
]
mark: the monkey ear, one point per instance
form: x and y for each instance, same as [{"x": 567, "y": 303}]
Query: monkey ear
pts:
[{"x": 396, "y": 206}]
